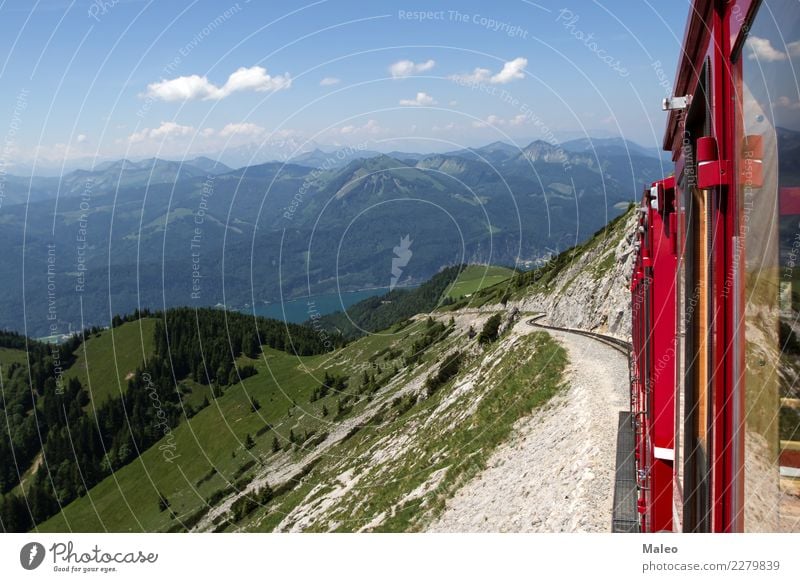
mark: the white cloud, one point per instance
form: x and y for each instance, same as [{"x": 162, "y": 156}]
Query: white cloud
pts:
[
  {"x": 475, "y": 77},
  {"x": 371, "y": 127},
  {"x": 787, "y": 103},
  {"x": 166, "y": 130},
  {"x": 329, "y": 81},
  {"x": 196, "y": 87},
  {"x": 254, "y": 79},
  {"x": 497, "y": 121},
  {"x": 406, "y": 68},
  {"x": 171, "y": 129},
  {"x": 762, "y": 50},
  {"x": 794, "y": 48},
  {"x": 182, "y": 88},
  {"x": 490, "y": 121},
  {"x": 511, "y": 71},
  {"x": 449, "y": 127},
  {"x": 81, "y": 138},
  {"x": 420, "y": 100},
  {"x": 283, "y": 134},
  {"x": 241, "y": 129}
]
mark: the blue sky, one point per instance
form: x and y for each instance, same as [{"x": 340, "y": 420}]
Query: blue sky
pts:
[{"x": 137, "y": 78}]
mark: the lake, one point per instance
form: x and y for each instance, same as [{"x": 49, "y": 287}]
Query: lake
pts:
[{"x": 297, "y": 310}]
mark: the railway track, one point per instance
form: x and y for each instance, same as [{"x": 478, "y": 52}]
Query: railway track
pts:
[
  {"x": 625, "y": 516},
  {"x": 616, "y": 343}
]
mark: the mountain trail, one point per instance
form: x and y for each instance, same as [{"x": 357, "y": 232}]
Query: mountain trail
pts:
[{"x": 556, "y": 472}]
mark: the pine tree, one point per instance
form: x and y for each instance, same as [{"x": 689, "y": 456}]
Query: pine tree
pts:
[{"x": 163, "y": 502}]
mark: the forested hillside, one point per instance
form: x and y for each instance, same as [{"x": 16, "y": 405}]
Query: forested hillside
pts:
[
  {"x": 383, "y": 311},
  {"x": 61, "y": 447}
]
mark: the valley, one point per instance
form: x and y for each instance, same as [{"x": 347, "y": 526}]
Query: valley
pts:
[
  {"x": 377, "y": 433},
  {"x": 155, "y": 234}
]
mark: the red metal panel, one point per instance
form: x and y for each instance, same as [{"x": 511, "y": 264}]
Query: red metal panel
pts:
[
  {"x": 695, "y": 45},
  {"x": 662, "y": 364},
  {"x": 739, "y": 15},
  {"x": 718, "y": 180},
  {"x": 789, "y": 200},
  {"x": 714, "y": 30}
]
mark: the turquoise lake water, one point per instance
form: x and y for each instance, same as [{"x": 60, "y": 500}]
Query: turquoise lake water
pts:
[{"x": 297, "y": 310}]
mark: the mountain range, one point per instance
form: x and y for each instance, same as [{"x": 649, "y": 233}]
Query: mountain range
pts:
[{"x": 158, "y": 233}]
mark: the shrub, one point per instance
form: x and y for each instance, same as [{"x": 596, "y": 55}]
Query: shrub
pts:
[
  {"x": 490, "y": 330},
  {"x": 244, "y": 468},
  {"x": 217, "y": 496},
  {"x": 195, "y": 517},
  {"x": 247, "y": 371},
  {"x": 243, "y": 482},
  {"x": 789, "y": 340},
  {"x": 211, "y": 472},
  {"x": 245, "y": 505},
  {"x": 446, "y": 372}
]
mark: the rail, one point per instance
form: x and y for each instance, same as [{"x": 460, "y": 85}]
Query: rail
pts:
[
  {"x": 616, "y": 343},
  {"x": 625, "y": 516}
]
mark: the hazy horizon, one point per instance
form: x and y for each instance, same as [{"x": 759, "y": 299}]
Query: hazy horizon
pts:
[{"x": 134, "y": 80}]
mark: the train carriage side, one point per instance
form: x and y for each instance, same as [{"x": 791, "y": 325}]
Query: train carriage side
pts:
[{"x": 716, "y": 354}]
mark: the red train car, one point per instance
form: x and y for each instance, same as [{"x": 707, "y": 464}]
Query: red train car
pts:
[
  {"x": 715, "y": 371},
  {"x": 653, "y": 374}
]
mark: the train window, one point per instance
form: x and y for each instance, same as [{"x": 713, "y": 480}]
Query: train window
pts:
[
  {"x": 680, "y": 351},
  {"x": 768, "y": 194},
  {"x": 694, "y": 403}
]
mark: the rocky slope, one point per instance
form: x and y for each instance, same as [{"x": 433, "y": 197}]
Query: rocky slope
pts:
[
  {"x": 549, "y": 477},
  {"x": 545, "y": 475},
  {"x": 516, "y": 436},
  {"x": 592, "y": 291}
]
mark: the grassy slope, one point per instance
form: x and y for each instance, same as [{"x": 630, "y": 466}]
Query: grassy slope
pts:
[
  {"x": 436, "y": 452},
  {"x": 103, "y": 365},
  {"x": 442, "y": 459},
  {"x": 477, "y": 277},
  {"x": 213, "y": 437},
  {"x": 9, "y": 356},
  {"x": 441, "y": 452},
  {"x": 541, "y": 279},
  {"x": 439, "y": 457}
]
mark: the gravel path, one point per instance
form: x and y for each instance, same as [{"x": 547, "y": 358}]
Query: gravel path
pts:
[{"x": 556, "y": 473}]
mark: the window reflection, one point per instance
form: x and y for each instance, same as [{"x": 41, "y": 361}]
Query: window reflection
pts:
[{"x": 769, "y": 217}]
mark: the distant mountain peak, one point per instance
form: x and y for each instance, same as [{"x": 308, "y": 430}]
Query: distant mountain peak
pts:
[
  {"x": 498, "y": 146},
  {"x": 209, "y": 165}
]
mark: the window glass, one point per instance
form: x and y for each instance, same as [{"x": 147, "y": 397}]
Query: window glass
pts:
[{"x": 768, "y": 166}]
